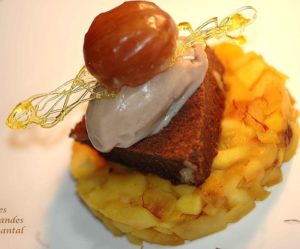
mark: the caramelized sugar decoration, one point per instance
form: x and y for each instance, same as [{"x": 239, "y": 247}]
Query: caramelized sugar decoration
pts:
[
  {"x": 130, "y": 44},
  {"x": 48, "y": 109}
]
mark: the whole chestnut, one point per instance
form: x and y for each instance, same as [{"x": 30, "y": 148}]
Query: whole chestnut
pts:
[{"x": 129, "y": 44}]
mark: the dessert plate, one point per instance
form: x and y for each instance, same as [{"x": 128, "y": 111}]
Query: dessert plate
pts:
[{"x": 41, "y": 47}]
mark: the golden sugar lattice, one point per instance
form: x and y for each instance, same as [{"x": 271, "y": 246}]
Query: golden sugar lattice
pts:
[
  {"x": 50, "y": 108},
  {"x": 231, "y": 27},
  {"x": 44, "y": 109}
]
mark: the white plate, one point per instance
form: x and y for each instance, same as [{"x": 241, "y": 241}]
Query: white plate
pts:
[{"x": 41, "y": 47}]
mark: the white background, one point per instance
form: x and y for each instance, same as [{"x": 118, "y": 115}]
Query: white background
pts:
[{"x": 40, "y": 48}]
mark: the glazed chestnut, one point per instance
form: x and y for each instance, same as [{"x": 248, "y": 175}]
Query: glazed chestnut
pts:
[{"x": 130, "y": 44}]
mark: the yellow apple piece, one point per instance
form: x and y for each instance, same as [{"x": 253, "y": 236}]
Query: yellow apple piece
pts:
[
  {"x": 250, "y": 72},
  {"x": 85, "y": 163},
  {"x": 227, "y": 52},
  {"x": 190, "y": 204},
  {"x": 276, "y": 122}
]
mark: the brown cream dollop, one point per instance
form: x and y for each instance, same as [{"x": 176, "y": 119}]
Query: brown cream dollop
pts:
[{"x": 138, "y": 112}]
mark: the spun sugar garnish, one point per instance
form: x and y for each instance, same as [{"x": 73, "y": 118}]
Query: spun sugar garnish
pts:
[{"x": 48, "y": 109}]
